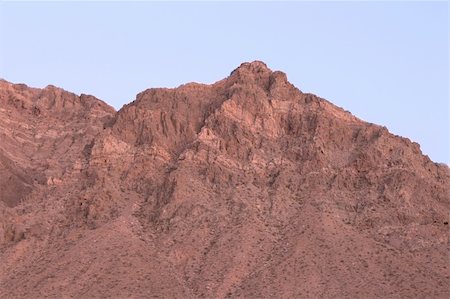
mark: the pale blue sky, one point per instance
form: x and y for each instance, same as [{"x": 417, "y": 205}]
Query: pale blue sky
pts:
[{"x": 386, "y": 62}]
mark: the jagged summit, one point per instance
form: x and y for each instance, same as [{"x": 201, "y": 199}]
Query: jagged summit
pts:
[
  {"x": 256, "y": 66},
  {"x": 243, "y": 188},
  {"x": 257, "y": 72}
]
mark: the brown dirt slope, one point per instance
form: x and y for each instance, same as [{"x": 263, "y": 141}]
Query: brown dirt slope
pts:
[{"x": 245, "y": 188}]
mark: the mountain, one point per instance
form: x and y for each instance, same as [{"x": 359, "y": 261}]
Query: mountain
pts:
[{"x": 245, "y": 188}]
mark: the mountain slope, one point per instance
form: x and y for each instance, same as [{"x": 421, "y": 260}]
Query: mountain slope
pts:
[{"x": 243, "y": 188}]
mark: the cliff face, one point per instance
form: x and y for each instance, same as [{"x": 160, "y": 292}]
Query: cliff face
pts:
[{"x": 243, "y": 188}]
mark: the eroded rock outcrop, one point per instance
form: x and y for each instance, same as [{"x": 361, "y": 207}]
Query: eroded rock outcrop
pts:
[{"x": 243, "y": 188}]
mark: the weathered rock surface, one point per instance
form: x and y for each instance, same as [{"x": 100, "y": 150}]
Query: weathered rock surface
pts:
[{"x": 243, "y": 188}]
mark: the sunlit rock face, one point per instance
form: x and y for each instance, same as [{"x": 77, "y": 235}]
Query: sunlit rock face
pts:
[{"x": 243, "y": 188}]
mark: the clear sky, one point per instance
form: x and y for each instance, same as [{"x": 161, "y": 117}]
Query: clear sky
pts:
[{"x": 386, "y": 62}]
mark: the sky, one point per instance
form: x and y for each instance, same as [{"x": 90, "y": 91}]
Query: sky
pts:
[{"x": 386, "y": 62}]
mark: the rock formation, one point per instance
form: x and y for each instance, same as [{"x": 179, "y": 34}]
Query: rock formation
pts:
[{"x": 244, "y": 188}]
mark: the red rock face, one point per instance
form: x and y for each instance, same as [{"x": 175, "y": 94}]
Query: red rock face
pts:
[{"x": 243, "y": 188}]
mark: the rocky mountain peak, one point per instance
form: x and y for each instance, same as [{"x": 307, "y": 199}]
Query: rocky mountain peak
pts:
[
  {"x": 255, "y": 67},
  {"x": 243, "y": 188}
]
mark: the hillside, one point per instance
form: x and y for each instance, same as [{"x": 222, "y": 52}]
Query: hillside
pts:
[{"x": 245, "y": 188}]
